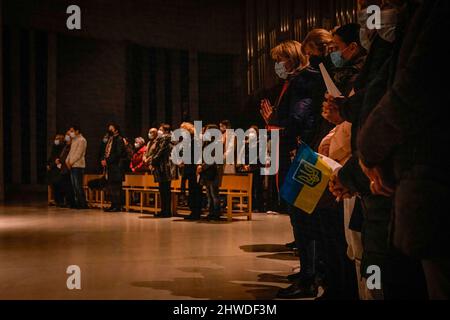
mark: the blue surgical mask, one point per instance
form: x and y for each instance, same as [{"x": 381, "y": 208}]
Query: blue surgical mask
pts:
[
  {"x": 337, "y": 59},
  {"x": 280, "y": 70}
]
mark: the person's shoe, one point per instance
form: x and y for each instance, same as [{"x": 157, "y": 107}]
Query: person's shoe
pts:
[
  {"x": 192, "y": 218},
  {"x": 213, "y": 218},
  {"x": 111, "y": 209},
  {"x": 291, "y": 245},
  {"x": 163, "y": 216},
  {"x": 297, "y": 291},
  {"x": 116, "y": 210},
  {"x": 294, "y": 277}
]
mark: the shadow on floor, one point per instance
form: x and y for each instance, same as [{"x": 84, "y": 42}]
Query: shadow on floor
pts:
[
  {"x": 261, "y": 292},
  {"x": 284, "y": 256},
  {"x": 263, "y": 248},
  {"x": 274, "y": 278},
  {"x": 211, "y": 284}
]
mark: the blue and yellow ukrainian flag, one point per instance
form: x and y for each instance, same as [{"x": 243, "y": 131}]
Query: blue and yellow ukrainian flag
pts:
[{"x": 307, "y": 180}]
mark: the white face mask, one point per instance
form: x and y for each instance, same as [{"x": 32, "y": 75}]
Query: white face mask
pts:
[
  {"x": 137, "y": 145},
  {"x": 57, "y": 142},
  {"x": 67, "y": 138},
  {"x": 72, "y": 135},
  {"x": 388, "y": 25},
  {"x": 280, "y": 70},
  {"x": 160, "y": 133}
]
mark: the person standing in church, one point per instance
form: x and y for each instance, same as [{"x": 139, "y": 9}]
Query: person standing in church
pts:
[
  {"x": 76, "y": 163},
  {"x": 114, "y": 152}
]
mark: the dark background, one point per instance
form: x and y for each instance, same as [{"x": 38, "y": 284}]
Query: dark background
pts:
[{"x": 139, "y": 63}]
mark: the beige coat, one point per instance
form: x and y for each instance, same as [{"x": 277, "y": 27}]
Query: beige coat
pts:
[{"x": 77, "y": 154}]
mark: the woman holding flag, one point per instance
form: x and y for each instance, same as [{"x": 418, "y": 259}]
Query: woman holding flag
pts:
[{"x": 294, "y": 116}]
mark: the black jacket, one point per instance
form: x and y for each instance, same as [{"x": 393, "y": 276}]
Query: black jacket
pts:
[
  {"x": 114, "y": 160},
  {"x": 54, "y": 172},
  {"x": 163, "y": 168},
  {"x": 370, "y": 86},
  {"x": 408, "y": 132},
  {"x": 296, "y": 112}
]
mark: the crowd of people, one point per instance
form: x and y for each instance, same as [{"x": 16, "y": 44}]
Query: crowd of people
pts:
[
  {"x": 386, "y": 209},
  {"x": 118, "y": 156},
  {"x": 380, "y": 211}
]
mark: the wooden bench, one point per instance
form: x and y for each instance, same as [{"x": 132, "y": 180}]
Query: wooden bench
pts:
[
  {"x": 238, "y": 187},
  {"x": 147, "y": 189}
]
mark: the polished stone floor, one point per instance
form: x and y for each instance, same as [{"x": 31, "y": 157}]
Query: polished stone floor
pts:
[{"x": 134, "y": 256}]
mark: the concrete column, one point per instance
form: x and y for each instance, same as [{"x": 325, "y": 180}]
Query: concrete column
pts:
[
  {"x": 160, "y": 86},
  {"x": 2, "y": 168},
  {"x": 33, "y": 124},
  {"x": 51, "y": 88},
  {"x": 193, "y": 85},
  {"x": 16, "y": 138},
  {"x": 176, "y": 87}
]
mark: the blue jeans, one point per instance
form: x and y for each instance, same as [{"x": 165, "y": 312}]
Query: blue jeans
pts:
[
  {"x": 76, "y": 177},
  {"x": 212, "y": 191}
]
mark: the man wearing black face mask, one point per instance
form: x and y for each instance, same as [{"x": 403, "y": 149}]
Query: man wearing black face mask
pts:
[{"x": 114, "y": 153}]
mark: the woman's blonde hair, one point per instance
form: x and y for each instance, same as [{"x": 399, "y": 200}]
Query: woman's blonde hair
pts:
[
  {"x": 291, "y": 50},
  {"x": 319, "y": 39},
  {"x": 188, "y": 127}
]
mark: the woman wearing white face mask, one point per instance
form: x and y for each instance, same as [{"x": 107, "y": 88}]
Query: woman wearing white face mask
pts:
[
  {"x": 53, "y": 170},
  {"x": 294, "y": 114},
  {"x": 137, "y": 161}
]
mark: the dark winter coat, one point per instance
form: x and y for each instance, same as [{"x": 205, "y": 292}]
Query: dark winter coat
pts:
[
  {"x": 408, "y": 133},
  {"x": 114, "y": 166}
]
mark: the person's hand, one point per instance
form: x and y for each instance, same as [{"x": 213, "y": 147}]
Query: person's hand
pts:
[
  {"x": 69, "y": 166},
  {"x": 199, "y": 170},
  {"x": 266, "y": 110},
  {"x": 293, "y": 154},
  {"x": 48, "y": 168},
  {"x": 377, "y": 184},
  {"x": 338, "y": 189},
  {"x": 330, "y": 112},
  {"x": 324, "y": 149},
  {"x": 104, "y": 163}
]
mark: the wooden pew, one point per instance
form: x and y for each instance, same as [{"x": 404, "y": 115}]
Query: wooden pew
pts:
[
  {"x": 238, "y": 187},
  {"x": 147, "y": 189}
]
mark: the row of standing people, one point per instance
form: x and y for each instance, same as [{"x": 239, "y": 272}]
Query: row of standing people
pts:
[
  {"x": 118, "y": 157},
  {"x": 385, "y": 161}
]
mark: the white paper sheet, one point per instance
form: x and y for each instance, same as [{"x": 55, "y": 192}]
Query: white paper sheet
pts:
[{"x": 331, "y": 87}]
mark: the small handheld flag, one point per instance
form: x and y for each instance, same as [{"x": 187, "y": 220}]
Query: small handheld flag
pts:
[{"x": 307, "y": 179}]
